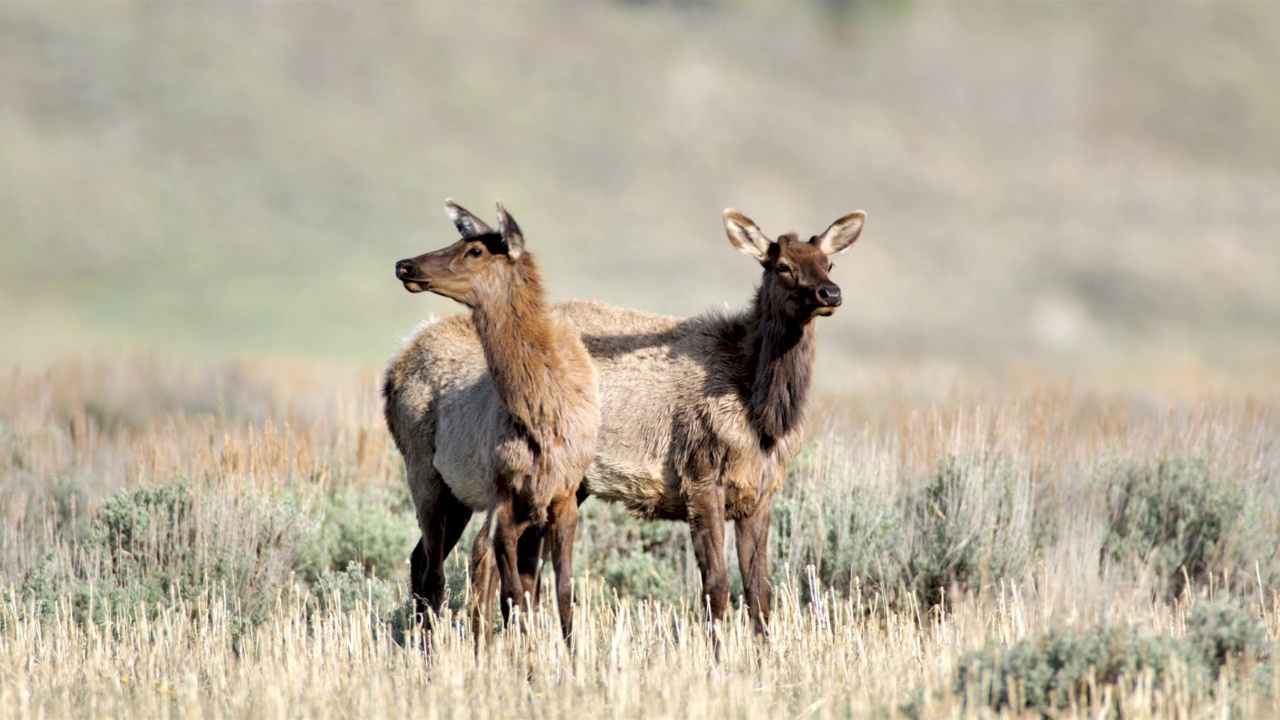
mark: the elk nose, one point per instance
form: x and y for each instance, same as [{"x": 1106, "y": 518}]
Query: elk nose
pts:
[
  {"x": 404, "y": 269},
  {"x": 829, "y": 294}
]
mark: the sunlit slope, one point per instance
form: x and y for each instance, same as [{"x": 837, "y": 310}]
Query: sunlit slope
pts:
[{"x": 1053, "y": 183}]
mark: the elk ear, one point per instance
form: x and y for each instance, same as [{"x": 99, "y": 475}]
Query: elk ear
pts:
[
  {"x": 745, "y": 236},
  {"x": 468, "y": 225},
  {"x": 511, "y": 234},
  {"x": 841, "y": 234}
]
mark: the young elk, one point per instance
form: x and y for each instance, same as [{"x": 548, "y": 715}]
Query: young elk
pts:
[
  {"x": 511, "y": 429},
  {"x": 699, "y": 417}
]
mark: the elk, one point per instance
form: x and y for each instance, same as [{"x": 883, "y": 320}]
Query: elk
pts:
[
  {"x": 699, "y": 417},
  {"x": 497, "y": 413}
]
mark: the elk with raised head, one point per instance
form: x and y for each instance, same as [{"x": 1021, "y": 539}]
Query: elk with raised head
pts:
[
  {"x": 512, "y": 434},
  {"x": 699, "y": 417}
]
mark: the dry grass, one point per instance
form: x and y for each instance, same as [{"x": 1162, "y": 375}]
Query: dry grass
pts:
[{"x": 1003, "y": 504}]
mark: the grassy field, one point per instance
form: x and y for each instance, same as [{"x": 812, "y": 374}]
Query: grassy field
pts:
[
  {"x": 1042, "y": 476},
  {"x": 231, "y": 540}
]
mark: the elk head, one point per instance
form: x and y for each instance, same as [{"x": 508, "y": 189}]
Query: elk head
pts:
[
  {"x": 473, "y": 266},
  {"x": 796, "y": 276}
]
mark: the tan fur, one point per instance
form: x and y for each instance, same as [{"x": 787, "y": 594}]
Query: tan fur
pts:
[
  {"x": 546, "y": 383},
  {"x": 501, "y": 405},
  {"x": 445, "y": 412},
  {"x": 662, "y": 401},
  {"x": 699, "y": 417},
  {"x": 534, "y": 416}
]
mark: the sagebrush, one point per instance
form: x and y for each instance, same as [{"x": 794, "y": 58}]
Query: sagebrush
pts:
[{"x": 223, "y": 542}]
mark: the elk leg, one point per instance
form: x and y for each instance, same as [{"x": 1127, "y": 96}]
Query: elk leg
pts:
[
  {"x": 752, "y": 534},
  {"x": 706, "y": 528},
  {"x": 507, "y": 532},
  {"x": 455, "y": 523},
  {"x": 450, "y": 518},
  {"x": 529, "y": 551},
  {"x": 419, "y": 567},
  {"x": 483, "y": 572},
  {"x": 442, "y": 518},
  {"x": 562, "y": 526},
  {"x": 425, "y": 485},
  {"x": 494, "y": 584}
]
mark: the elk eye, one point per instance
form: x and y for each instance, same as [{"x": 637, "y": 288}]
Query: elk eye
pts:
[
  {"x": 475, "y": 252},
  {"x": 784, "y": 268},
  {"x": 831, "y": 267}
]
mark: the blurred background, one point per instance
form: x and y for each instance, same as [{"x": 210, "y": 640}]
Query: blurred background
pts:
[{"x": 1089, "y": 189}]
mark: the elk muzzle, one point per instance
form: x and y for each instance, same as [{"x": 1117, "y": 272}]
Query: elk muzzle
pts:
[
  {"x": 828, "y": 298},
  {"x": 407, "y": 274}
]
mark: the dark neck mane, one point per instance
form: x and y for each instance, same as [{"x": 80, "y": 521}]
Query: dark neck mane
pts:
[
  {"x": 777, "y": 369},
  {"x": 519, "y": 347}
]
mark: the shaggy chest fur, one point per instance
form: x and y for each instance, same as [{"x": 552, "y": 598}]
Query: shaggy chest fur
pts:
[
  {"x": 674, "y": 414},
  {"x": 682, "y": 409},
  {"x": 546, "y": 417}
]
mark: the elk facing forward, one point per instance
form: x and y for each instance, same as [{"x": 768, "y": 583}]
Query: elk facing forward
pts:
[
  {"x": 699, "y": 417},
  {"x": 513, "y": 434}
]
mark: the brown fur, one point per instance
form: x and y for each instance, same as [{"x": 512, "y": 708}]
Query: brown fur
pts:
[
  {"x": 546, "y": 382},
  {"x": 529, "y": 423},
  {"x": 699, "y": 417}
]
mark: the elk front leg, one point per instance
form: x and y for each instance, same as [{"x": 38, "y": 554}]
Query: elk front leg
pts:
[
  {"x": 530, "y": 561},
  {"x": 706, "y": 528},
  {"x": 506, "y": 536},
  {"x": 753, "y": 560},
  {"x": 562, "y": 527}
]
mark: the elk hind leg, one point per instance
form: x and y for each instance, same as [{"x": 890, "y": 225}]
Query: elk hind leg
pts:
[
  {"x": 484, "y": 571},
  {"x": 444, "y": 524},
  {"x": 442, "y": 518}
]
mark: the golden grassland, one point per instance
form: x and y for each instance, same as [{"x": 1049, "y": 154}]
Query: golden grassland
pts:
[{"x": 232, "y": 541}]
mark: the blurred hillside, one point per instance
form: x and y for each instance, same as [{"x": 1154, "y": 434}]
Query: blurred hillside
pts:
[{"x": 1085, "y": 187}]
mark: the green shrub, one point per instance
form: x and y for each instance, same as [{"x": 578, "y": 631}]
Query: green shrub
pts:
[
  {"x": 868, "y": 546},
  {"x": 1222, "y": 631},
  {"x": 945, "y": 554},
  {"x": 1173, "y": 515},
  {"x": 1046, "y": 672},
  {"x": 148, "y": 525},
  {"x": 351, "y": 588},
  {"x": 638, "y": 558},
  {"x": 1052, "y": 670},
  {"x": 972, "y": 521},
  {"x": 824, "y": 519},
  {"x": 369, "y": 529},
  {"x": 152, "y": 547}
]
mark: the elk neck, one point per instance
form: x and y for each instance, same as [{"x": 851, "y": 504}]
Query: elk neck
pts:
[
  {"x": 778, "y": 353},
  {"x": 514, "y": 328}
]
